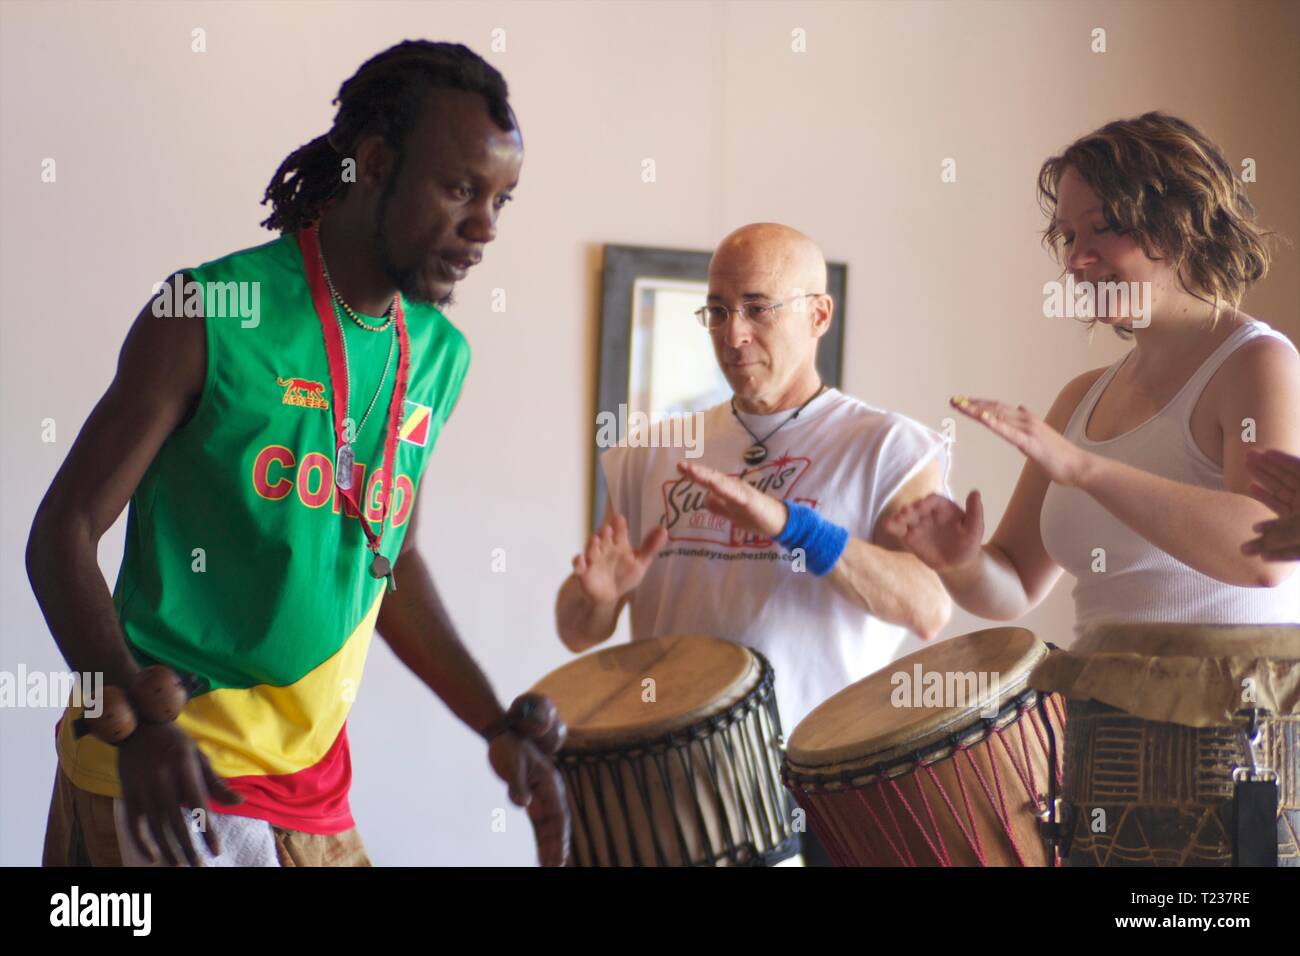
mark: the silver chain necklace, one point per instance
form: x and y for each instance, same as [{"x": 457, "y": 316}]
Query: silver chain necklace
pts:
[
  {"x": 346, "y": 457},
  {"x": 343, "y": 466}
]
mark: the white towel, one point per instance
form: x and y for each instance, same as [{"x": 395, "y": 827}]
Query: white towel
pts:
[{"x": 245, "y": 841}]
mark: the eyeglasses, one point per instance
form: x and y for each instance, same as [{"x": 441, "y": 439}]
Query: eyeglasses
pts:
[{"x": 762, "y": 314}]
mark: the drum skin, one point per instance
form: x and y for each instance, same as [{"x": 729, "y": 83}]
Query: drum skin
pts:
[
  {"x": 672, "y": 756},
  {"x": 961, "y": 784}
]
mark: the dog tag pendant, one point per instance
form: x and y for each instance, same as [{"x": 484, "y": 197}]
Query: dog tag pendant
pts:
[{"x": 343, "y": 468}]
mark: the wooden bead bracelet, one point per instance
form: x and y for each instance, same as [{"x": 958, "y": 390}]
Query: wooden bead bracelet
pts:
[{"x": 156, "y": 695}]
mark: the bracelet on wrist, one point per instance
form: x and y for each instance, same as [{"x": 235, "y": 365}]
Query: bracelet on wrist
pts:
[
  {"x": 156, "y": 695},
  {"x": 821, "y": 541},
  {"x": 521, "y": 710}
]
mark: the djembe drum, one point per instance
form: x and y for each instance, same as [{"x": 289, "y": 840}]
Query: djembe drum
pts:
[
  {"x": 1159, "y": 740},
  {"x": 955, "y": 775},
  {"x": 672, "y": 756}
]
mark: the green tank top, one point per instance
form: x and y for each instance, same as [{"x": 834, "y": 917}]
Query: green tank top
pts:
[{"x": 242, "y": 567}]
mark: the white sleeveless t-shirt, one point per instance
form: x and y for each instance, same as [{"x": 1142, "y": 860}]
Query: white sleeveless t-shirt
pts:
[
  {"x": 841, "y": 457},
  {"x": 1141, "y": 583}
]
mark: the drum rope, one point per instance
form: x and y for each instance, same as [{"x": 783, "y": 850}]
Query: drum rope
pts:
[
  {"x": 594, "y": 771},
  {"x": 829, "y": 834},
  {"x": 1056, "y": 703},
  {"x": 574, "y": 784},
  {"x": 898, "y": 831},
  {"x": 840, "y": 843},
  {"x": 898, "y": 854},
  {"x": 639, "y": 774},
  {"x": 598, "y": 792},
  {"x": 771, "y": 775},
  {"x": 1041, "y": 714},
  {"x": 763, "y": 818},
  {"x": 1041, "y": 800},
  {"x": 628, "y": 767},
  {"x": 661, "y": 761},
  {"x": 736, "y": 765},
  {"x": 1049, "y": 705},
  {"x": 1026, "y": 771},
  {"x": 616, "y": 771},
  {"x": 776, "y": 797},
  {"x": 1029, "y": 779},
  {"x": 768, "y": 718},
  {"x": 938, "y": 831},
  {"x": 746, "y": 786},
  {"x": 688, "y": 771},
  {"x": 973, "y": 837},
  {"x": 941, "y": 856},
  {"x": 781, "y": 797},
  {"x": 1058, "y": 844},
  {"x": 1003, "y": 818},
  {"x": 728, "y": 835}
]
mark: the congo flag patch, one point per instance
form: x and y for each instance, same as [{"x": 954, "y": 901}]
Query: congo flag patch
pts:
[{"x": 415, "y": 423}]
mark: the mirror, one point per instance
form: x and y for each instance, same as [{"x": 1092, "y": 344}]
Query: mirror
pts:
[{"x": 671, "y": 365}]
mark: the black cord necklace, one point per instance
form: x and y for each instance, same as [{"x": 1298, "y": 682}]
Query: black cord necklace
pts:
[{"x": 756, "y": 453}]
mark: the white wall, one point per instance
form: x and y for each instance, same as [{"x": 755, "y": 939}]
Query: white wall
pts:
[{"x": 163, "y": 155}]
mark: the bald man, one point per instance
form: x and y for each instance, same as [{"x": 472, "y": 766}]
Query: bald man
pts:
[{"x": 774, "y": 536}]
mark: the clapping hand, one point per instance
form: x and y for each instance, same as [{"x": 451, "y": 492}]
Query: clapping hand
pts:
[{"x": 1276, "y": 483}]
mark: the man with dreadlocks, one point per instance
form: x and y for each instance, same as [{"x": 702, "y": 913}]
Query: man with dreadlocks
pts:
[{"x": 271, "y": 469}]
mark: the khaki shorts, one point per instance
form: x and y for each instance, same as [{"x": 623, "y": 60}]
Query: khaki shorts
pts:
[{"x": 81, "y": 831}]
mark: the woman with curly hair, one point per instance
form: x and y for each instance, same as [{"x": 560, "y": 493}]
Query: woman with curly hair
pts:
[
  {"x": 1137, "y": 480},
  {"x": 1142, "y": 483}
]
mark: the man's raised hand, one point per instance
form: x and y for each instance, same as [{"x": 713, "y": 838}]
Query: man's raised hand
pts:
[
  {"x": 740, "y": 502},
  {"x": 610, "y": 567}
]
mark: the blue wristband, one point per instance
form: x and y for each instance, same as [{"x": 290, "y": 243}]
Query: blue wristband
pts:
[{"x": 822, "y": 541}]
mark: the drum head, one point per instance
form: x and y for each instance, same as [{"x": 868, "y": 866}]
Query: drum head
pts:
[
  {"x": 862, "y": 723},
  {"x": 607, "y": 699}
]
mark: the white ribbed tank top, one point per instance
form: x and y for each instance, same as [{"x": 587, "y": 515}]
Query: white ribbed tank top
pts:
[{"x": 1142, "y": 583}]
